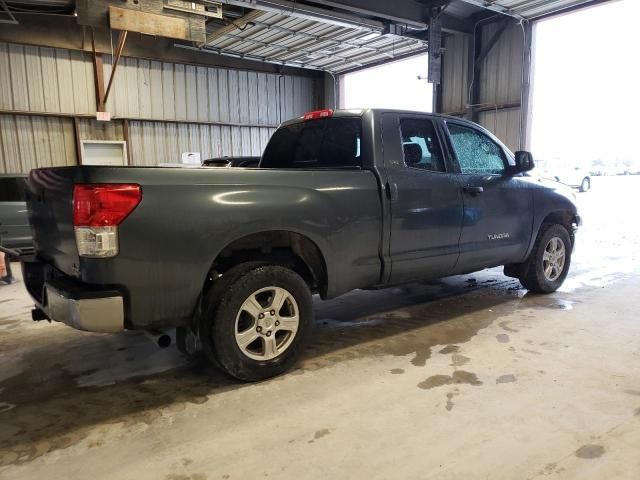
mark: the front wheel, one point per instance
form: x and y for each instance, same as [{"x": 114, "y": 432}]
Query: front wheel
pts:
[
  {"x": 548, "y": 264},
  {"x": 256, "y": 327}
]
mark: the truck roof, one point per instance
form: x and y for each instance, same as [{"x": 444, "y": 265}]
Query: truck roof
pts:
[{"x": 361, "y": 112}]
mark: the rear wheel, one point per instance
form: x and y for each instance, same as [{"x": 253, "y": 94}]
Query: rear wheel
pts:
[
  {"x": 585, "y": 185},
  {"x": 548, "y": 265},
  {"x": 256, "y": 325}
]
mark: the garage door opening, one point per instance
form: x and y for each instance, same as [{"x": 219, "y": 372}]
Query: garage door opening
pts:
[
  {"x": 401, "y": 84},
  {"x": 583, "y": 130},
  {"x": 584, "y": 92}
]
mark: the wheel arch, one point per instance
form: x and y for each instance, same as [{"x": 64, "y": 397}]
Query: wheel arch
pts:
[
  {"x": 568, "y": 219},
  {"x": 282, "y": 247},
  {"x": 565, "y": 217}
]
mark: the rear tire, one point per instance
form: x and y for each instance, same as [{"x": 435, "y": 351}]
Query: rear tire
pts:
[
  {"x": 549, "y": 262},
  {"x": 256, "y": 323}
]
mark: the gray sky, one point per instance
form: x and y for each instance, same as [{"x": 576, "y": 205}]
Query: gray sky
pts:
[{"x": 586, "y": 97}]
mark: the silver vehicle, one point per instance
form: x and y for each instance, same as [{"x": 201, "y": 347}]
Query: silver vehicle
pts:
[
  {"x": 574, "y": 177},
  {"x": 15, "y": 232}
]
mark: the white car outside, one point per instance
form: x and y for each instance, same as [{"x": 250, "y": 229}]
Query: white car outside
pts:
[{"x": 575, "y": 177}]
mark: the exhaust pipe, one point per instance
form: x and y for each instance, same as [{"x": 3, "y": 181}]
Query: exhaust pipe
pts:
[
  {"x": 161, "y": 339},
  {"x": 38, "y": 314}
]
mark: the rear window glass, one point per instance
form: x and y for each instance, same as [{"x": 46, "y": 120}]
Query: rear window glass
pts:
[
  {"x": 12, "y": 189},
  {"x": 324, "y": 143}
]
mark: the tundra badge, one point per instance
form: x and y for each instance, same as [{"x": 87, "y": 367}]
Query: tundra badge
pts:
[{"x": 497, "y": 236}]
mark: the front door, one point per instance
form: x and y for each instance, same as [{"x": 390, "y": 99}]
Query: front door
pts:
[
  {"x": 424, "y": 197},
  {"x": 498, "y": 208}
]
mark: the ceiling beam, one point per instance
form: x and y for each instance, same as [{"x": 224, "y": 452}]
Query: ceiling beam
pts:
[
  {"x": 238, "y": 24},
  {"x": 409, "y": 12},
  {"x": 309, "y": 12},
  {"x": 570, "y": 8},
  {"x": 455, "y": 25},
  {"x": 494, "y": 8},
  {"x": 6, "y": 11}
]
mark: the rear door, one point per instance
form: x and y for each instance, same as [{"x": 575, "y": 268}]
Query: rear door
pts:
[
  {"x": 498, "y": 208},
  {"x": 425, "y": 199}
]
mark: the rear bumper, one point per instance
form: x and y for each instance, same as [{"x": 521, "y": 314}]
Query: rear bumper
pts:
[
  {"x": 101, "y": 314},
  {"x": 67, "y": 300}
]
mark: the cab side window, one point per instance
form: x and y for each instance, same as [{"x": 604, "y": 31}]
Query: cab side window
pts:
[
  {"x": 13, "y": 189},
  {"x": 420, "y": 145},
  {"x": 476, "y": 152}
]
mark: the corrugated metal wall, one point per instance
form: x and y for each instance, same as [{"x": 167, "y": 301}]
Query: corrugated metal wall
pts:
[
  {"x": 171, "y": 107},
  {"x": 39, "y": 79},
  {"x": 159, "y": 90},
  {"x": 501, "y": 83},
  {"x": 501, "y": 71},
  {"x": 505, "y": 124},
  {"x": 28, "y": 142},
  {"x": 499, "y": 78},
  {"x": 163, "y": 142},
  {"x": 455, "y": 73},
  {"x": 91, "y": 129}
]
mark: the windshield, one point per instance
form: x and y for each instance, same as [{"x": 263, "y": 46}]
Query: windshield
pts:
[{"x": 324, "y": 143}]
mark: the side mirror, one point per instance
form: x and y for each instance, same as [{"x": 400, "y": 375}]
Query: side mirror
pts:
[{"x": 524, "y": 162}]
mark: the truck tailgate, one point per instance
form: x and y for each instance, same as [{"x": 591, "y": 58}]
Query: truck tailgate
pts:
[{"x": 50, "y": 205}]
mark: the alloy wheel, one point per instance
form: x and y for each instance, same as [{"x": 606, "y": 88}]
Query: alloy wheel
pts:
[{"x": 266, "y": 323}]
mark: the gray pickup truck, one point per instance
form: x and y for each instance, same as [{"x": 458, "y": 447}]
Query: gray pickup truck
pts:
[{"x": 341, "y": 200}]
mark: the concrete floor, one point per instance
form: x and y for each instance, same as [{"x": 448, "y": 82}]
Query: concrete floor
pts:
[{"x": 469, "y": 377}]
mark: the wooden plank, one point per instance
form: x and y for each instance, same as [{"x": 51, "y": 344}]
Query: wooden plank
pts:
[
  {"x": 95, "y": 13},
  {"x": 148, "y": 23},
  {"x": 98, "y": 75}
]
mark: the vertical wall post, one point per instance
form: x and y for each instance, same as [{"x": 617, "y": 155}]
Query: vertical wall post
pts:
[
  {"x": 125, "y": 136},
  {"x": 526, "y": 99},
  {"x": 76, "y": 134}
]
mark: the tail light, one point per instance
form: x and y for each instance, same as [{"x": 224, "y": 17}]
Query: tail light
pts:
[
  {"x": 98, "y": 209},
  {"x": 318, "y": 114}
]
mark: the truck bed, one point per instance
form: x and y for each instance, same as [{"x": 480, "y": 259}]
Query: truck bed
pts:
[{"x": 186, "y": 217}]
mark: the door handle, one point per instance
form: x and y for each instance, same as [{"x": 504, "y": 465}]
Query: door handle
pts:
[
  {"x": 392, "y": 191},
  {"x": 473, "y": 191}
]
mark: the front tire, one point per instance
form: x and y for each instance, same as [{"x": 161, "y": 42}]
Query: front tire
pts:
[
  {"x": 548, "y": 264},
  {"x": 258, "y": 323}
]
